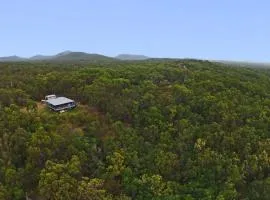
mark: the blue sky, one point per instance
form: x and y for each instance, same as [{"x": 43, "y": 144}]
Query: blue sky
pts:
[{"x": 208, "y": 29}]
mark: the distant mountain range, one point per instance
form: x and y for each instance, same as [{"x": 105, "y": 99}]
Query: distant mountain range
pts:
[
  {"x": 11, "y": 58},
  {"x": 74, "y": 56},
  {"x": 71, "y": 56}
]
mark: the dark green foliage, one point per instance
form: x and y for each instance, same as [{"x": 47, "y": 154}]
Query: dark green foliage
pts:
[{"x": 154, "y": 129}]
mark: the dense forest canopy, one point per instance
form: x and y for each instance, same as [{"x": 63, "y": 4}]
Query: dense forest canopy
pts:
[{"x": 155, "y": 129}]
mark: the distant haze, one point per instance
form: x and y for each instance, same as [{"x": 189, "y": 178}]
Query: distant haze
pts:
[{"x": 131, "y": 57}]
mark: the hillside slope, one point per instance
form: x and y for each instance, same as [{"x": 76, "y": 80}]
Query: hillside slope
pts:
[{"x": 154, "y": 129}]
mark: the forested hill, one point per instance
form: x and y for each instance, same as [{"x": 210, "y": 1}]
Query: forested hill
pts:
[{"x": 142, "y": 130}]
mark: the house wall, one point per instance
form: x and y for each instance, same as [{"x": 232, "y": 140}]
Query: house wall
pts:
[{"x": 62, "y": 106}]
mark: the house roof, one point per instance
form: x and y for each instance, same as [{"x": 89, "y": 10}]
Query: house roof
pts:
[{"x": 59, "y": 101}]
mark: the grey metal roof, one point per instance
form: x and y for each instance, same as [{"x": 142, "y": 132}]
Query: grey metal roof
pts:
[{"x": 59, "y": 101}]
